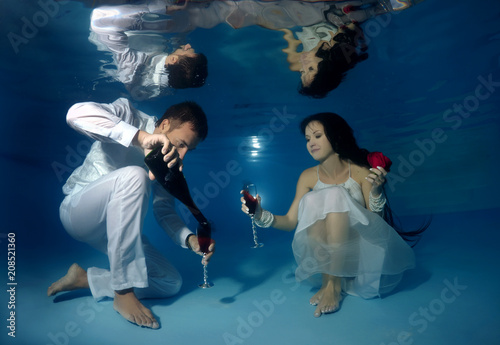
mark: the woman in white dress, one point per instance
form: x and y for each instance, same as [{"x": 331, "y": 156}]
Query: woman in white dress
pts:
[{"x": 338, "y": 212}]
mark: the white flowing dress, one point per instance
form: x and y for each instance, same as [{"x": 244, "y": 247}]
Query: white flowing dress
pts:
[{"x": 338, "y": 236}]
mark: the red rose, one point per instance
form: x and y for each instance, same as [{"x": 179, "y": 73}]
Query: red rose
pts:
[{"x": 377, "y": 159}]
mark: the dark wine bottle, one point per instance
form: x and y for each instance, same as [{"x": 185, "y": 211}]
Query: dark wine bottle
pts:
[{"x": 173, "y": 180}]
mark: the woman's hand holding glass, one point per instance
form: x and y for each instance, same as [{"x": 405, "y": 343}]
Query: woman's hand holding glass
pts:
[
  {"x": 251, "y": 206},
  {"x": 257, "y": 210}
]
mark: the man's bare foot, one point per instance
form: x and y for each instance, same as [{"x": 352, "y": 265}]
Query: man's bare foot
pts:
[
  {"x": 127, "y": 304},
  {"x": 328, "y": 297},
  {"x": 75, "y": 278}
]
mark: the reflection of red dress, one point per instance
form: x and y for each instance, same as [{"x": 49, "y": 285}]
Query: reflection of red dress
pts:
[{"x": 369, "y": 255}]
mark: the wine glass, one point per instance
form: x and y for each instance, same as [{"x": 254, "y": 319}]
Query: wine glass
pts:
[
  {"x": 203, "y": 232},
  {"x": 250, "y": 196}
]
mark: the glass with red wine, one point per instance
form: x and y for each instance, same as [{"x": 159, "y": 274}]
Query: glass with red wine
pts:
[
  {"x": 204, "y": 234},
  {"x": 250, "y": 196}
]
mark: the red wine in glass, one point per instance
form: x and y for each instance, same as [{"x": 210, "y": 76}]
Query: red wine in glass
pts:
[
  {"x": 250, "y": 201},
  {"x": 203, "y": 233}
]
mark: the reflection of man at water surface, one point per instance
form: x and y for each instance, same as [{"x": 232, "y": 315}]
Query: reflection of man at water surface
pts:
[{"x": 133, "y": 34}]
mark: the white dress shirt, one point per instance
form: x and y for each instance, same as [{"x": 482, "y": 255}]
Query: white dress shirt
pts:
[{"x": 114, "y": 126}]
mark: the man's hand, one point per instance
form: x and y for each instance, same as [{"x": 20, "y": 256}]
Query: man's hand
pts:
[
  {"x": 148, "y": 142},
  {"x": 195, "y": 246}
]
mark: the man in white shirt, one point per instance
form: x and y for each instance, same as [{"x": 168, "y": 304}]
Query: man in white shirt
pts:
[{"x": 107, "y": 199}]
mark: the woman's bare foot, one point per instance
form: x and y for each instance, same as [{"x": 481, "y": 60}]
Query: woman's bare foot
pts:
[
  {"x": 328, "y": 297},
  {"x": 75, "y": 278},
  {"x": 127, "y": 304},
  {"x": 317, "y": 296}
]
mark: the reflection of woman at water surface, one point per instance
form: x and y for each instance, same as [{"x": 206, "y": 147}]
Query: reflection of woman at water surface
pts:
[
  {"x": 331, "y": 48},
  {"x": 327, "y": 55}
]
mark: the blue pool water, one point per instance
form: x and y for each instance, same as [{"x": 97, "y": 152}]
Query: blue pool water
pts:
[{"x": 424, "y": 65}]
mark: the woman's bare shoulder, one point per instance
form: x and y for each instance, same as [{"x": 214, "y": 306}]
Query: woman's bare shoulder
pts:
[
  {"x": 358, "y": 173},
  {"x": 309, "y": 177}
]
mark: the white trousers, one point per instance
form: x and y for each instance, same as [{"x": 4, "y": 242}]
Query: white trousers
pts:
[{"x": 108, "y": 214}]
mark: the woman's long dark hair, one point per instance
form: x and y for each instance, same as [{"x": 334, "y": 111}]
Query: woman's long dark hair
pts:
[{"x": 341, "y": 137}]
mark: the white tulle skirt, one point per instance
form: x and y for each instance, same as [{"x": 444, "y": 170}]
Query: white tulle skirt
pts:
[{"x": 337, "y": 236}]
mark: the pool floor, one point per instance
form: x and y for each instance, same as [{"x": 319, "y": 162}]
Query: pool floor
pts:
[{"x": 450, "y": 298}]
